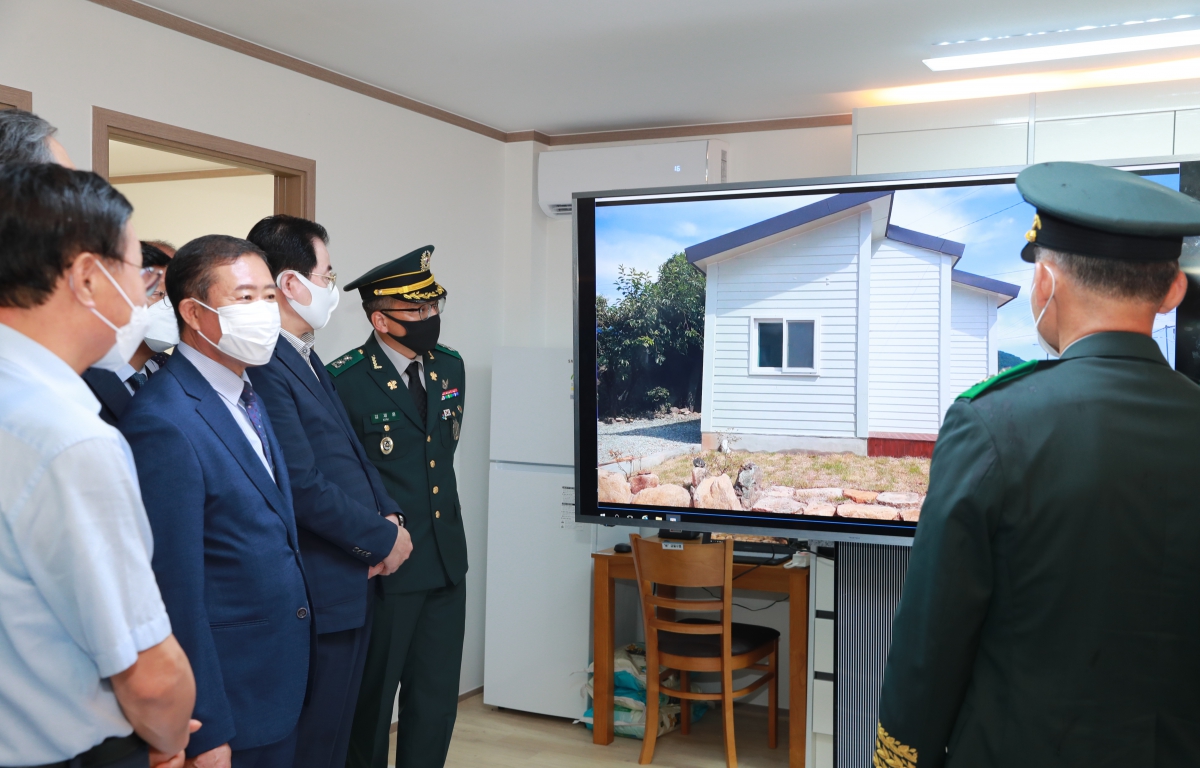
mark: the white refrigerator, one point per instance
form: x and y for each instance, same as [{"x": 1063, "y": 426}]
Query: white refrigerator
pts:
[{"x": 539, "y": 569}]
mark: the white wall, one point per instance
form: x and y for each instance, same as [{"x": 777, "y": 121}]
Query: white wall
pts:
[
  {"x": 177, "y": 211},
  {"x": 387, "y": 181},
  {"x": 972, "y": 315},
  {"x": 812, "y": 273},
  {"x": 905, "y": 339}
]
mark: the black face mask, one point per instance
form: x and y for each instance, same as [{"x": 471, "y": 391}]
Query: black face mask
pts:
[{"x": 421, "y": 336}]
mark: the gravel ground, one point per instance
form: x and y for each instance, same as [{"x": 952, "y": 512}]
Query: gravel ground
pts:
[{"x": 643, "y": 437}]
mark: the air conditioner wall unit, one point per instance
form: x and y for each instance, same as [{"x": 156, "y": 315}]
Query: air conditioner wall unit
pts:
[{"x": 564, "y": 172}]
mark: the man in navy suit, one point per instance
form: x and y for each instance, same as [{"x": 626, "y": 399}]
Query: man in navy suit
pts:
[
  {"x": 217, "y": 492},
  {"x": 350, "y": 529}
]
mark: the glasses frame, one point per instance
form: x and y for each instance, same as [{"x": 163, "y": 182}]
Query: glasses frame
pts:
[
  {"x": 423, "y": 310},
  {"x": 330, "y": 278}
]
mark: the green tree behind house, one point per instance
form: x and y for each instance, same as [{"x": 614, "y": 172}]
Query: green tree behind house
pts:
[{"x": 650, "y": 342}]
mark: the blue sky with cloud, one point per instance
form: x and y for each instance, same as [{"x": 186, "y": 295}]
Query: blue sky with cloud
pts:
[{"x": 991, "y": 220}]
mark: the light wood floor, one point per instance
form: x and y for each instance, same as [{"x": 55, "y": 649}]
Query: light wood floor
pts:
[{"x": 487, "y": 736}]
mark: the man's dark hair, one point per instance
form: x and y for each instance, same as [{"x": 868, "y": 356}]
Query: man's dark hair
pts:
[
  {"x": 288, "y": 242},
  {"x": 190, "y": 273},
  {"x": 1116, "y": 278},
  {"x": 23, "y": 137},
  {"x": 376, "y": 303},
  {"x": 49, "y": 215},
  {"x": 153, "y": 256}
]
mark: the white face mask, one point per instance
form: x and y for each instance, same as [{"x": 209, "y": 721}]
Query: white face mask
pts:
[
  {"x": 129, "y": 336},
  {"x": 1045, "y": 345},
  {"x": 163, "y": 331},
  {"x": 320, "y": 306},
  {"x": 248, "y": 331}
]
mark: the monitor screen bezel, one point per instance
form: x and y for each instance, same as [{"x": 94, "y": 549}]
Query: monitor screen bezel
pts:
[{"x": 588, "y": 508}]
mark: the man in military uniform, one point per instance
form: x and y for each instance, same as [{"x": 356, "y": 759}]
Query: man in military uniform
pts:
[
  {"x": 405, "y": 393},
  {"x": 1050, "y": 612}
]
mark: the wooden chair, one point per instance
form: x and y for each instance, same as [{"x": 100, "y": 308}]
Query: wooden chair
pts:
[{"x": 699, "y": 645}]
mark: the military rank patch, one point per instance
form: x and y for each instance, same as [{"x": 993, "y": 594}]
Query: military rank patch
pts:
[
  {"x": 449, "y": 393},
  {"x": 1016, "y": 372},
  {"x": 344, "y": 363},
  {"x": 449, "y": 351}
]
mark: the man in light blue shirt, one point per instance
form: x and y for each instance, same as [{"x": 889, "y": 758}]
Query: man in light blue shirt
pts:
[{"x": 89, "y": 668}]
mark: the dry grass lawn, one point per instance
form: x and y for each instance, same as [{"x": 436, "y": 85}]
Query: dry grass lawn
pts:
[{"x": 804, "y": 470}]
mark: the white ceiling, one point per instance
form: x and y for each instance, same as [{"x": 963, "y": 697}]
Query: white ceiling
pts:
[{"x": 563, "y": 66}]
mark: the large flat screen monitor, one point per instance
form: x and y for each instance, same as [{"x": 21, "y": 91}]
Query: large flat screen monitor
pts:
[{"x": 779, "y": 359}]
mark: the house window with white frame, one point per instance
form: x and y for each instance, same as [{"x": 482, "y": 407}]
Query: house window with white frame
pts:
[{"x": 782, "y": 345}]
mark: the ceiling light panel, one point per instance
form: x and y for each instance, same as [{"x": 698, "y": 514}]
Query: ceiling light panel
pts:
[
  {"x": 1085, "y": 28},
  {"x": 1066, "y": 51}
]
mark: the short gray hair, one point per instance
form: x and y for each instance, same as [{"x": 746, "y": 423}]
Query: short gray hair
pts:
[
  {"x": 1116, "y": 278},
  {"x": 23, "y": 137}
]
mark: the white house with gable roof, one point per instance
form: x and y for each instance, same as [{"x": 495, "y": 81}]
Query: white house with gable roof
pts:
[{"x": 827, "y": 327}]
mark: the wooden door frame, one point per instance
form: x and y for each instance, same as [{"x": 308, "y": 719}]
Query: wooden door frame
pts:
[
  {"x": 295, "y": 177},
  {"x": 15, "y": 97}
]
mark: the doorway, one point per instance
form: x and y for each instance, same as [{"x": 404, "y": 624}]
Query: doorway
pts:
[
  {"x": 15, "y": 98},
  {"x": 184, "y": 184}
]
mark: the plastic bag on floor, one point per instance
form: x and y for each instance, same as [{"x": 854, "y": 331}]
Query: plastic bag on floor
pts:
[{"x": 629, "y": 696}]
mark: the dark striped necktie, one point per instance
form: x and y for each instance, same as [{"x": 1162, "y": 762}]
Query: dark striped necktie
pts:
[{"x": 250, "y": 401}]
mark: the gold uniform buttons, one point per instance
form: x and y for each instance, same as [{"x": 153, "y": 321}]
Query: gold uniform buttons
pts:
[
  {"x": 432, "y": 464},
  {"x": 428, "y": 438},
  {"x": 435, "y": 489},
  {"x": 438, "y": 513},
  {"x": 387, "y": 427}
]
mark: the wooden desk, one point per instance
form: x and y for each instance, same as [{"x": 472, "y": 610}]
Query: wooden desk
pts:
[{"x": 793, "y": 582}]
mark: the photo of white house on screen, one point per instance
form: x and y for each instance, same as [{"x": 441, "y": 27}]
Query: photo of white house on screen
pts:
[{"x": 797, "y": 355}]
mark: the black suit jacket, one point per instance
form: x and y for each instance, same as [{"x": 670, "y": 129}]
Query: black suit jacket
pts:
[
  {"x": 110, "y": 391},
  {"x": 338, "y": 495}
]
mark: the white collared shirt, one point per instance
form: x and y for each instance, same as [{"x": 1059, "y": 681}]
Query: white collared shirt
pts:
[
  {"x": 400, "y": 361},
  {"x": 229, "y": 386},
  {"x": 78, "y": 599}
]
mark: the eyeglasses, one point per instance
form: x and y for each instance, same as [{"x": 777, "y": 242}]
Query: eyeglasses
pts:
[
  {"x": 151, "y": 277},
  {"x": 424, "y": 312},
  {"x": 330, "y": 278}
]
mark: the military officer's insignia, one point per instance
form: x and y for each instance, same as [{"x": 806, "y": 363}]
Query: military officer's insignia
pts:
[
  {"x": 375, "y": 364},
  {"x": 445, "y": 384},
  {"x": 460, "y": 409},
  {"x": 392, "y": 384},
  {"x": 425, "y": 261},
  {"x": 449, "y": 351},
  {"x": 890, "y": 752},
  {"x": 445, "y": 414},
  {"x": 454, "y": 427},
  {"x": 386, "y": 445},
  {"x": 1031, "y": 235},
  {"x": 450, "y": 393},
  {"x": 433, "y": 375},
  {"x": 344, "y": 363},
  {"x": 430, "y": 355}
]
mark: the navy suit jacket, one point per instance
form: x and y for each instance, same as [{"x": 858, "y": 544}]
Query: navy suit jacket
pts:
[
  {"x": 338, "y": 495},
  {"x": 110, "y": 391},
  {"x": 226, "y": 557}
]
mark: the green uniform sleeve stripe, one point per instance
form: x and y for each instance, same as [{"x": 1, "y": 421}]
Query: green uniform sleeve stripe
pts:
[{"x": 1016, "y": 372}]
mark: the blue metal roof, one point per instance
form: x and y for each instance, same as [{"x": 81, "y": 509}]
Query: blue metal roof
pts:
[
  {"x": 780, "y": 223},
  {"x": 986, "y": 284},
  {"x": 928, "y": 242}
]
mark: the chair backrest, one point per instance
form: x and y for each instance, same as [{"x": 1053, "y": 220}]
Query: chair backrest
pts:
[{"x": 696, "y": 565}]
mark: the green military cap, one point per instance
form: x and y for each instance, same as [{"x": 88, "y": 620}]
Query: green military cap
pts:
[
  {"x": 407, "y": 278},
  {"x": 1091, "y": 210}
]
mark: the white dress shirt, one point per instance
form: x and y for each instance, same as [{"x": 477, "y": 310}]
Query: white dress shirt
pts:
[
  {"x": 400, "y": 361},
  {"x": 229, "y": 386},
  {"x": 78, "y": 599}
]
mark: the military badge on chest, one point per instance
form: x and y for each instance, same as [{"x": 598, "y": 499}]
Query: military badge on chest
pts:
[
  {"x": 448, "y": 415},
  {"x": 386, "y": 445}
]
